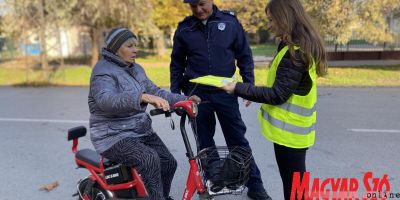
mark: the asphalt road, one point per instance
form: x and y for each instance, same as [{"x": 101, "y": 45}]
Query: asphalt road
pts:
[{"x": 358, "y": 130}]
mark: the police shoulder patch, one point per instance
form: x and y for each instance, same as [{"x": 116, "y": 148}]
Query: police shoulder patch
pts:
[{"x": 229, "y": 12}]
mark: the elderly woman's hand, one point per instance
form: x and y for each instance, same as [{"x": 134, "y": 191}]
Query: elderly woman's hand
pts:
[
  {"x": 156, "y": 101},
  {"x": 230, "y": 87},
  {"x": 195, "y": 98}
]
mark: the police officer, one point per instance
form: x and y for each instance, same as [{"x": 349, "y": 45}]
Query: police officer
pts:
[{"x": 208, "y": 43}]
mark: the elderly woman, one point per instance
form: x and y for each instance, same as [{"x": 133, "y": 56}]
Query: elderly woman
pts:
[{"x": 120, "y": 128}]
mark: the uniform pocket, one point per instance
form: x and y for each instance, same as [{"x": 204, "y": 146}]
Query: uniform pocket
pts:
[{"x": 222, "y": 35}]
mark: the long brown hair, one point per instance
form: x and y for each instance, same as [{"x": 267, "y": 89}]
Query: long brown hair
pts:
[{"x": 296, "y": 27}]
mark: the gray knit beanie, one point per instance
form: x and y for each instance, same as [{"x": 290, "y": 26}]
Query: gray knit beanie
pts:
[{"x": 116, "y": 38}]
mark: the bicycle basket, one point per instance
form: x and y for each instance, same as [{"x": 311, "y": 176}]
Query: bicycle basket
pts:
[{"x": 225, "y": 169}]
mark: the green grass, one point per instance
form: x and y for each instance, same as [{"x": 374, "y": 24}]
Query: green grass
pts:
[
  {"x": 368, "y": 76},
  {"x": 160, "y": 76},
  {"x": 12, "y": 72},
  {"x": 71, "y": 76},
  {"x": 264, "y": 50}
]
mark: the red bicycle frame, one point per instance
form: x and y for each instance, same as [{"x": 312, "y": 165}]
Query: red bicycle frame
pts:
[
  {"x": 194, "y": 181},
  {"x": 95, "y": 171}
]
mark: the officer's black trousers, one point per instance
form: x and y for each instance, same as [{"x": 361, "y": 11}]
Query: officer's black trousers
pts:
[{"x": 226, "y": 107}]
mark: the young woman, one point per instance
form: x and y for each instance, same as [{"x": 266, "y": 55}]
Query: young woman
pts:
[{"x": 288, "y": 115}]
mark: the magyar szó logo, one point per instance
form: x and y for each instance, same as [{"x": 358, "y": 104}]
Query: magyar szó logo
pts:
[{"x": 341, "y": 188}]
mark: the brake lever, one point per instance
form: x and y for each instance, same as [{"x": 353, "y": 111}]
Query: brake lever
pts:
[{"x": 171, "y": 122}]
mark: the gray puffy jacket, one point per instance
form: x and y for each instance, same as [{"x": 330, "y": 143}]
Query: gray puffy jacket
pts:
[{"x": 116, "y": 111}]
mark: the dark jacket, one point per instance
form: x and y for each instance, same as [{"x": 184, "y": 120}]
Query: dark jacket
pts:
[
  {"x": 210, "y": 49},
  {"x": 290, "y": 79},
  {"x": 116, "y": 111}
]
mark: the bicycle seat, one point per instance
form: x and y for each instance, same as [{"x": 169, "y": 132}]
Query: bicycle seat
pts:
[{"x": 92, "y": 157}]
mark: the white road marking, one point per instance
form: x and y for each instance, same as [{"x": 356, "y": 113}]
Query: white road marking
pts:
[
  {"x": 44, "y": 120},
  {"x": 375, "y": 130}
]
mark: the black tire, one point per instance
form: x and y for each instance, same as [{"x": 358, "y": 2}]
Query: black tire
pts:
[
  {"x": 95, "y": 192},
  {"x": 98, "y": 193}
]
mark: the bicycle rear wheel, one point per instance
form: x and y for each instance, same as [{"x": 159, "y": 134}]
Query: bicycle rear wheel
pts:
[
  {"x": 86, "y": 188},
  {"x": 98, "y": 193}
]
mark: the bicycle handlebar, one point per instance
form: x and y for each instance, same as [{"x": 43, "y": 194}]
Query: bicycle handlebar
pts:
[
  {"x": 183, "y": 114},
  {"x": 186, "y": 107},
  {"x": 158, "y": 111}
]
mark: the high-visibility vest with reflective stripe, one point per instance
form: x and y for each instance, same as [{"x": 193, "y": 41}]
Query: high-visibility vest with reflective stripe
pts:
[{"x": 291, "y": 124}]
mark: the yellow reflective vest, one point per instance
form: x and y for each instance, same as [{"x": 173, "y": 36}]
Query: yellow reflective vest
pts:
[{"x": 292, "y": 123}]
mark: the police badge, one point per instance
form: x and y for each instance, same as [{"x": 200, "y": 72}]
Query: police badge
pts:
[{"x": 221, "y": 26}]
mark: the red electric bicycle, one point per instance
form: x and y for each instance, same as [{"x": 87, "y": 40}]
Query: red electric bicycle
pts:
[{"x": 213, "y": 171}]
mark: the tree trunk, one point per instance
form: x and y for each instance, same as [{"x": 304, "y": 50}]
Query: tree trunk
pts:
[
  {"x": 257, "y": 38},
  {"x": 94, "y": 36},
  {"x": 171, "y": 36},
  {"x": 159, "y": 43},
  {"x": 42, "y": 38}
]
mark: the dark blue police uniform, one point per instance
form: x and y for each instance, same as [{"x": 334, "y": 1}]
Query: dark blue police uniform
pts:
[{"x": 211, "y": 49}]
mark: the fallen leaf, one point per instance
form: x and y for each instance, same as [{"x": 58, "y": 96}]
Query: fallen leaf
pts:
[{"x": 49, "y": 186}]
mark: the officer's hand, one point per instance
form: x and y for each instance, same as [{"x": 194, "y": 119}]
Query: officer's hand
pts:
[
  {"x": 195, "y": 98},
  {"x": 230, "y": 87},
  {"x": 247, "y": 102},
  {"x": 156, "y": 101}
]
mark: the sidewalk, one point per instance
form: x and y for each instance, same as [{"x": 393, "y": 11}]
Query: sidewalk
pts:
[{"x": 264, "y": 61}]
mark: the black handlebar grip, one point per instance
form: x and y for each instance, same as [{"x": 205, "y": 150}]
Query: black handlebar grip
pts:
[{"x": 157, "y": 111}]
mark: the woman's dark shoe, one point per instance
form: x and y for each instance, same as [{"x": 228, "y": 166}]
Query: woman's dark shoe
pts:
[
  {"x": 169, "y": 198},
  {"x": 217, "y": 186},
  {"x": 233, "y": 186}
]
